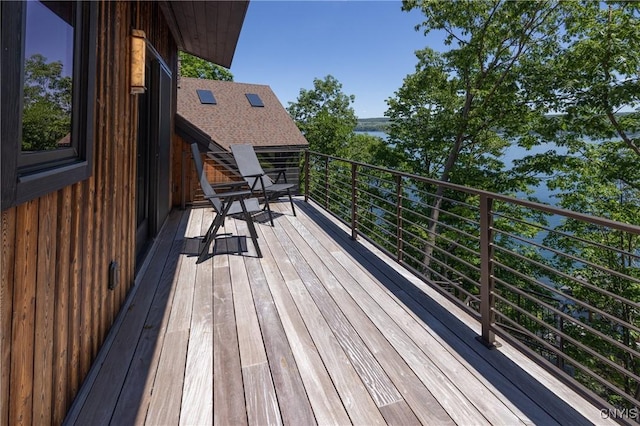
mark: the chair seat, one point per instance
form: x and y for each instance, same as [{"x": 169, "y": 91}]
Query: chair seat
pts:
[
  {"x": 251, "y": 204},
  {"x": 278, "y": 187}
]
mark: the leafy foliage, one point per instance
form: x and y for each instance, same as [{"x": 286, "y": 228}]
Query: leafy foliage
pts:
[
  {"x": 325, "y": 116},
  {"x": 192, "y": 66},
  {"x": 46, "y": 117}
]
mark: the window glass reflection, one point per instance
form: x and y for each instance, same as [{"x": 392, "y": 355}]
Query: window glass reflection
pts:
[{"x": 48, "y": 72}]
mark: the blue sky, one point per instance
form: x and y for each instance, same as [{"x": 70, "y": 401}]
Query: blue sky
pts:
[{"x": 367, "y": 45}]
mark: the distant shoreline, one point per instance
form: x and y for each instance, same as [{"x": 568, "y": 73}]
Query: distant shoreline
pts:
[{"x": 378, "y": 124}]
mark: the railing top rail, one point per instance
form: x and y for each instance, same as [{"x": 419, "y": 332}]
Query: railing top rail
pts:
[{"x": 625, "y": 227}]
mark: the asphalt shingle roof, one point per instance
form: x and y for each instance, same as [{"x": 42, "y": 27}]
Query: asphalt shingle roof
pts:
[{"x": 232, "y": 120}]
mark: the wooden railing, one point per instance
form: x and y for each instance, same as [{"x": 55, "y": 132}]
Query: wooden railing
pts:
[{"x": 559, "y": 283}]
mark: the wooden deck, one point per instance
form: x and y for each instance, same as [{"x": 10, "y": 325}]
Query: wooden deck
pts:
[{"x": 321, "y": 330}]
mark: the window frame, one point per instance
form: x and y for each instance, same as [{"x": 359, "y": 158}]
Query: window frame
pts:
[{"x": 51, "y": 173}]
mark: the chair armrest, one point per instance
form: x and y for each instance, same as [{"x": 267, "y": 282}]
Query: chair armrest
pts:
[
  {"x": 257, "y": 175},
  {"x": 229, "y": 184},
  {"x": 280, "y": 173},
  {"x": 230, "y": 194}
]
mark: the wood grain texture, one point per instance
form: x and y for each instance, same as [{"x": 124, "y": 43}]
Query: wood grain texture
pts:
[
  {"x": 400, "y": 414},
  {"x": 61, "y": 342},
  {"x": 197, "y": 396},
  {"x": 325, "y": 401},
  {"x": 250, "y": 342},
  {"x": 453, "y": 328},
  {"x": 228, "y": 393},
  {"x": 6, "y": 307},
  {"x": 164, "y": 407},
  {"x": 438, "y": 375},
  {"x": 23, "y": 319},
  {"x": 99, "y": 407},
  {"x": 295, "y": 407},
  {"x": 45, "y": 312},
  {"x": 366, "y": 321},
  {"x": 358, "y": 403},
  {"x": 327, "y": 294},
  {"x": 133, "y": 400},
  {"x": 68, "y": 275},
  {"x": 166, "y": 398},
  {"x": 262, "y": 404}
]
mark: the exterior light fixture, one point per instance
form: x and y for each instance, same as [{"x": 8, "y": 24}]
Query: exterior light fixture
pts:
[{"x": 138, "y": 54}]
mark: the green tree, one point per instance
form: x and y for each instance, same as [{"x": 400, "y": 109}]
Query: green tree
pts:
[
  {"x": 454, "y": 117},
  {"x": 588, "y": 84},
  {"x": 46, "y": 117},
  {"x": 325, "y": 116},
  {"x": 597, "y": 74},
  {"x": 602, "y": 181},
  {"x": 192, "y": 66}
]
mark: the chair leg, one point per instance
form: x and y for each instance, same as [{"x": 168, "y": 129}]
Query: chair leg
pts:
[
  {"x": 266, "y": 206},
  {"x": 208, "y": 239},
  {"x": 211, "y": 233},
  {"x": 252, "y": 228},
  {"x": 291, "y": 201}
]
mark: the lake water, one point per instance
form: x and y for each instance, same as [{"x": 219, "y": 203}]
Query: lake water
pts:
[{"x": 541, "y": 192}]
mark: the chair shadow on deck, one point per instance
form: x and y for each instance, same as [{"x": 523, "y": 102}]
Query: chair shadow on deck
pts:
[
  {"x": 495, "y": 367},
  {"x": 226, "y": 243}
]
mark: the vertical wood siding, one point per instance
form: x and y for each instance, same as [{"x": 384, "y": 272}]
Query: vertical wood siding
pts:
[{"x": 55, "y": 305}]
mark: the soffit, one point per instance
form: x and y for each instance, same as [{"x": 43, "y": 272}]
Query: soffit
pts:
[{"x": 207, "y": 29}]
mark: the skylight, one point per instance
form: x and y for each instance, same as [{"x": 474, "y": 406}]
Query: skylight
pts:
[
  {"x": 254, "y": 100},
  {"x": 206, "y": 97}
]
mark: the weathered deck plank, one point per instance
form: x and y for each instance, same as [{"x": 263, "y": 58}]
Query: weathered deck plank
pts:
[
  {"x": 197, "y": 397},
  {"x": 228, "y": 392},
  {"x": 324, "y": 399},
  {"x": 358, "y": 403},
  {"x": 526, "y": 385},
  {"x": 373, "y": 376},
  {"x": 402, "y": 330},
  {"x": 424, "y": 404},
  {"x": 294, "y": 403},
  {"x": 319, "y": 330}
]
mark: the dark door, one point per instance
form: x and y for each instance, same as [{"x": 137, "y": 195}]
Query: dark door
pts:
[{"x": 153, "y": 162}]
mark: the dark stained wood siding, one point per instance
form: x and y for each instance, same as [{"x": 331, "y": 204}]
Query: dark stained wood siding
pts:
[{"x": 55, "y": 305}]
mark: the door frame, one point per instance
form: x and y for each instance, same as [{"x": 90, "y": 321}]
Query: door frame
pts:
[{"x": 155, "y": 114}]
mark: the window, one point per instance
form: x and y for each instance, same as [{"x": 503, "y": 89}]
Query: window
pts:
[
  {"x": 254, "y": 100},
  {"x": 206, "y": 97},
  {"x": 48, "y": 96}
]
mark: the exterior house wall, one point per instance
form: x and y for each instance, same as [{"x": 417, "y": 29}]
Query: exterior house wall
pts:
[{"x": 55, "y": 305}]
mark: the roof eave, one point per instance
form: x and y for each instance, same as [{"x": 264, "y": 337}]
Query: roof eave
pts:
[{"x": 207, "y": 29}]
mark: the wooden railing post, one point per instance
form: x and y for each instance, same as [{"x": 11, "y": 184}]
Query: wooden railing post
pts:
[
  {"x": 354, "y": 201},
  {"x": 399, "y": 224},
  {"x": 487, "y": 301},
  {"x": 307, "y": 169}
]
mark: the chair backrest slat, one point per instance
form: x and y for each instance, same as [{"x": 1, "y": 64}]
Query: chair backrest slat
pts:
[
  {"x": 208, "y": 191},
  {"x": 248, "y": 165}
]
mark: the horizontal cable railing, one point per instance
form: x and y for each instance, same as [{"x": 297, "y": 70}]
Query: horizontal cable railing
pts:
[{"x": 564, "y": 284}]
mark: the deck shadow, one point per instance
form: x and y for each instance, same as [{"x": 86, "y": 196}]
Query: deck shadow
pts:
[{"x": 532, "y": 399}]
